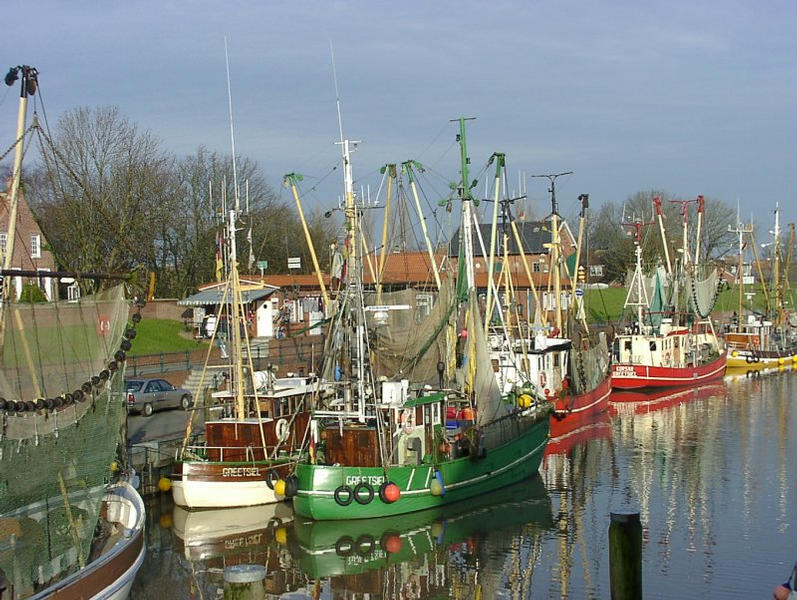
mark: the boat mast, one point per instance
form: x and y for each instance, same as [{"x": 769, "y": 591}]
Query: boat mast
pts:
[
  {"x": 464, "y": 191},
  {"x": 660, "y": 219},
  {"x": 555, "y": 251},
  {"x": 740, "y": 230},
  {"x": 27, "y": 87},
  {"x": 642, "y": 294},
  {"x": 500, "y": 161},
  {"x": 776, "y": 266}
]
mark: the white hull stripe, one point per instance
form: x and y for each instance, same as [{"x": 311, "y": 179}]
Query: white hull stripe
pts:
[
  {"x": 587, "y": 407},
  {"x": 648, "y": 376}
]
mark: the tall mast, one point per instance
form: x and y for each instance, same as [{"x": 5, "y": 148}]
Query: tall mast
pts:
[
  {"x": 642, "y": 294},
  {"x": 776, "y": 265},
  {"x": 464, "y": 191},
  {"x": 555, "y": 251},
  {"x": 27, "y": 87},
  {"x": 660, "y": 219},
  {"x": 500, "y": 161},
  {"x": 740, "y": 230}
]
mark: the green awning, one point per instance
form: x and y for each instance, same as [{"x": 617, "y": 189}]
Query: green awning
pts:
[{"x": 421, "y": 400}]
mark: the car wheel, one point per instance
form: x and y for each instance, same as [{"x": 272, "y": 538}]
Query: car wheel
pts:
[
  {"x": 185, "y": 402},
  {"x": 147, "y": 410}
]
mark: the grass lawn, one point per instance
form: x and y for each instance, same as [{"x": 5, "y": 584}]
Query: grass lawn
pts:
[
  {"x": 604, "y": 306},
  {"x": 162, "y": 335}
]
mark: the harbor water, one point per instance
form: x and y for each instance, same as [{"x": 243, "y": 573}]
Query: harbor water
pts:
[{"x": 710, "y": 471}]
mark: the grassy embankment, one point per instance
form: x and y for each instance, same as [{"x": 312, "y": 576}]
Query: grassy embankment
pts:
[
  {"x": 606, "y": 306},
  {"x": 154, "y": 336}
]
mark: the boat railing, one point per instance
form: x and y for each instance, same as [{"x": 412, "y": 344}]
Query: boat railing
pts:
[{"x": 230, "y": 453}]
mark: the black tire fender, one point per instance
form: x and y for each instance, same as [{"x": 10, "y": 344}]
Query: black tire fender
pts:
[
  {"x": 271, "y": 478},
  {"x": 365, "y": 544},
  {"x": 345, "y": 545},
  {"x": 369, "y": 492},
  {"x": 348, "y": 499}
]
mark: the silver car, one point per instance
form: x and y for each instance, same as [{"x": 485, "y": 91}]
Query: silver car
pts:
[{"x": 148, "y": 395}]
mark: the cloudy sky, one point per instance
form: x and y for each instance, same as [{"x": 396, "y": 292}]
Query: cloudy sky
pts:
[{"x": 688, "y": 97}]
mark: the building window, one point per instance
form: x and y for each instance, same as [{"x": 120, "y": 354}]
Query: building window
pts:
[
  {"x": 35, "y": 246},
  {"x": 3, "y": 241},
  {"x": 73, "y": 293},
  {"x": 535, "y": 267}
]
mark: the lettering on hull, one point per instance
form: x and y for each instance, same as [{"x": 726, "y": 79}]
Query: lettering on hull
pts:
[{"x": 240, "y": 472}]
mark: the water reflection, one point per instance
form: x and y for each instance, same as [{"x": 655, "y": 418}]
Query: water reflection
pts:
[{"x": 710, "y": 469}]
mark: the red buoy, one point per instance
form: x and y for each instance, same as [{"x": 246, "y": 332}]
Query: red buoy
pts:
[{"x": 392, "y": 492}]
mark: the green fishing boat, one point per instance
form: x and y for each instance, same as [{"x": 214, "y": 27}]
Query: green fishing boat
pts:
[{"x": 380, "y": 446}]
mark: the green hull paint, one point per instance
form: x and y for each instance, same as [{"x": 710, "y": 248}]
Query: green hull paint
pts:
[
  {"x": 327, "y": 548},
  {"x": 463, "y": 478}
]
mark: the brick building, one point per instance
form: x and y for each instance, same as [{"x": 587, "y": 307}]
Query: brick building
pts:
[{"x": 31, "y": 251}]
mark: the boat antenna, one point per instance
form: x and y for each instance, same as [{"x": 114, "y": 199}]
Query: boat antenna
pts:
[
  {"x": 232, "y": 130},
  {"x": 337, "y": 91}
]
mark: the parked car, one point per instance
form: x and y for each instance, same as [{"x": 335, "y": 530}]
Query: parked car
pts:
[{"x": 148, "y": 395}]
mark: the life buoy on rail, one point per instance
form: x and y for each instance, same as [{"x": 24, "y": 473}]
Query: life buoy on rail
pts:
[
  {"x": 543, "y": 379},
  {"x": 282, "y": 430}
]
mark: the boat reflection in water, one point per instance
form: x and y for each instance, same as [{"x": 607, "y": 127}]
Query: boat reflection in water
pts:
[
  {"x": 217, "y": 542},
  {"x": 431, "y": 551},
  {"x": 632, "y": 402}
]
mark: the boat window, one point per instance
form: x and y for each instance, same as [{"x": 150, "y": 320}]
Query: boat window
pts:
[
  {"x": 556, "y": 360},
  {"x": 652, "y": 346},
  {"x": 628, "y": 345}
]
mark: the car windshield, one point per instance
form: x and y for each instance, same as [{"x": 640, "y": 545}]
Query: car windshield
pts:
[{"x": 133, "y": 386}]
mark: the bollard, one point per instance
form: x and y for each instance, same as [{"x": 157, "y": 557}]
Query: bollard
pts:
[
  {"x": 625, "y": 556},
  {"x": 244, "y": 582}
]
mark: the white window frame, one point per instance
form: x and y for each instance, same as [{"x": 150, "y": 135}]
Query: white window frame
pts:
[{"x": 35, "y": 245}]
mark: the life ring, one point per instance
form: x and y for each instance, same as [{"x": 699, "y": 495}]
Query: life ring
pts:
[
  {"x": 365, "y": 544},
  {"x": 369, "y": 492},
  {"x": 543, "y": 379},
  {"x": 344, "y": 546},
  {"x": 282, "y": 430},
  {"x": 340, "y": 499},
  {"x": 271, "y": 478},
  {"x": 408, "y": 420}
]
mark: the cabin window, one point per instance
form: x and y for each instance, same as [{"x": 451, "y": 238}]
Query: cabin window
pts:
[
  {"x": 652, "y": 346},
  {"x": 556, "y": 360},
  {"x": 627, "y": 345},
  {"x": 436, "y": 413}
]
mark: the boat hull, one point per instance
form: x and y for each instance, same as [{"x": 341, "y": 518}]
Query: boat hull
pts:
[
  {"x": 630, "y": 376},
  {"x": 111, "y": 575},
  {"x": 462, "y": 478},
  {"x": 750, "y": 360},
  {"x": 573, "y": 412},
  {"x": 201, "y": 484}
]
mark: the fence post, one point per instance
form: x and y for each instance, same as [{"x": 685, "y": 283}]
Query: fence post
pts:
[
  {"x": 187, "y": 361},
  {"x": 162, "y": 357}
]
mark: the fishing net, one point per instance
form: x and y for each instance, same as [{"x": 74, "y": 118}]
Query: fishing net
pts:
[
  {"x": 54, "y": 463},
  {"x": 704, "y": 287},
  {"x": 410, "y": 340},
  {"x": 588, "y": 367}
]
